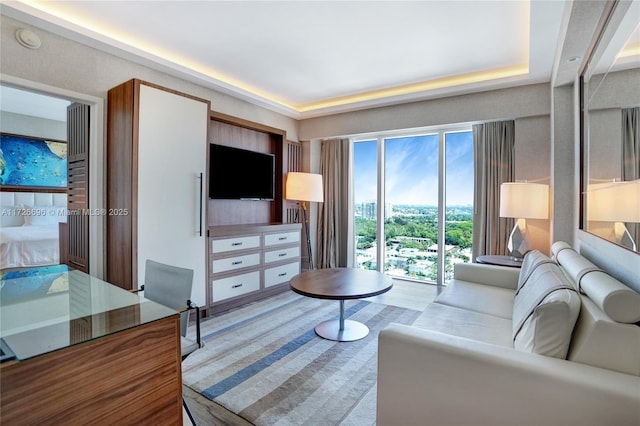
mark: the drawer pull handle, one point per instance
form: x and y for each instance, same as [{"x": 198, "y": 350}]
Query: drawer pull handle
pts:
[
  {"x": 237, "y": 244},
  {"x": 237, "y": 262},
  {"x": 282, "y": 238},
  {"x": 282, "y": 274},
  {"x": 282, "y": 254},
  {"x": 237, "y": 285}
]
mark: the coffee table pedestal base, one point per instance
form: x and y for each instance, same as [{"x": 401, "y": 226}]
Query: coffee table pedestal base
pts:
[
  {"x": 342, "y": 330},
  {"x": 353, "y": 330}
]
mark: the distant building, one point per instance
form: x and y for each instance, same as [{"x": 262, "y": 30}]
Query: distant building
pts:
[
  {"x": 416, "y": 239},
  {"x": 434, "y": 248},
  {"x": 370, "y": 210}
]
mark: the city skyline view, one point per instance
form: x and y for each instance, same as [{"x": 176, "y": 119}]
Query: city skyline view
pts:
[{"x": 411, "y": 183}]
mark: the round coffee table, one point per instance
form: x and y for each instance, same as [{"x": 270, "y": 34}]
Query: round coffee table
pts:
[{"x": 341, "y": 284}]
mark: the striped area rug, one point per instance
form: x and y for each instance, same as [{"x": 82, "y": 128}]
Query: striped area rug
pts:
[{"x": 265, "y": 363}]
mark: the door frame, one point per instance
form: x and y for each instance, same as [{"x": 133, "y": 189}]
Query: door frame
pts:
[{"x": 96, "y": 161}]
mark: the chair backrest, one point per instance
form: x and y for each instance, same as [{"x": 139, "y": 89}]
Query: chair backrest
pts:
[{"x": 169, "y": 286}]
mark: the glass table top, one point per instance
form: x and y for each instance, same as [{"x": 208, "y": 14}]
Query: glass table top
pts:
[{"x": 49, "y": 308}]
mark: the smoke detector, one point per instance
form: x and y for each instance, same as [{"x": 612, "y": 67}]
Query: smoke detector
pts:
[{"x": 27, "y": 38}]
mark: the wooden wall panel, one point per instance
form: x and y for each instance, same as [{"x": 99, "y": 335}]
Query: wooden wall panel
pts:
[
  {"x": 78, "y": 186},
  {"x": 234, "y": 212},
  {"x": 294, "y": 164},
  {"x": 121, "y": 235}
]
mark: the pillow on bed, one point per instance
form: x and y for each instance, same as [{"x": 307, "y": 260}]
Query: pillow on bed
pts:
[
  {"x": 44, "y": 215},
  {"x": 11, "y": 216}
]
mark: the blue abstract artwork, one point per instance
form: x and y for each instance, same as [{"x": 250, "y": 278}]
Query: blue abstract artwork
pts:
[
  {"x": 26, "y": 161},
  {"x": 32, "y": 283}
]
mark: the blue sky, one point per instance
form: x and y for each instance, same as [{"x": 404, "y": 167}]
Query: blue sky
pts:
[{"x": 412, "y": 169}]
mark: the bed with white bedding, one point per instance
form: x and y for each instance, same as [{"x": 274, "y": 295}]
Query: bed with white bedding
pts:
[{"x": 29, "y": 231}]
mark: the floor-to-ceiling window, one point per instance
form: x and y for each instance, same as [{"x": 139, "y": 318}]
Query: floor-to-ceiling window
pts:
[
  {"x": 413, "y": 197},
  {"x": 411, "y": 206},
  {"x": 459, "y": 199},
  {"x": 365, "y": 189}
]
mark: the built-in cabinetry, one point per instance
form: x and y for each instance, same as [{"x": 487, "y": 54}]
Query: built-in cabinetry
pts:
[
  {"x": 253, "y": 252},
  {"x": 157, "y": 151},
  {"x": 158, "y": 207},
  {"x": 250, "y": 261}
]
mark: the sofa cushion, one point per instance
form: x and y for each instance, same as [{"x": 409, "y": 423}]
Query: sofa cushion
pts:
[
  {"x": 481, "y": 298},
  {"x": 493, "y": 275},
  {"x": 464, "y": 323},
  {"x": 531, "y": 261},
  {"x": 618, "y": 301},
  {"x": 544, "y": 312}
]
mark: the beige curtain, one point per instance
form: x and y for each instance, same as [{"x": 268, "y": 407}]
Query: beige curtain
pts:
[
  {"x": 494, "y": 152},
  {"x": 333, "y": 214},
  {"x": 631, "y": 155}
]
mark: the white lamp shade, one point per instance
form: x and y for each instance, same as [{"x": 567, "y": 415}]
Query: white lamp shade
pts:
[
  {"x": 524, "y": 200},
  {"x": 614, "y": 201},
  {"x": 304, "y": 187}
]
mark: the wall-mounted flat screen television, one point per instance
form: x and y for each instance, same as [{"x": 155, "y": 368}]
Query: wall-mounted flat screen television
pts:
[{"x": 240, "y": 174}]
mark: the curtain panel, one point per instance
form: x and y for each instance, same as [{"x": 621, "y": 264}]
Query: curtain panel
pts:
[
  {"x": 631, "y": 155},
  {"x": 494, "y": 157},
  {"x": 333, "y": 220}
]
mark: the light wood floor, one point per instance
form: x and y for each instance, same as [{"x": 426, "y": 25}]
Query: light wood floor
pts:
[{"x": 405, "y": 294}]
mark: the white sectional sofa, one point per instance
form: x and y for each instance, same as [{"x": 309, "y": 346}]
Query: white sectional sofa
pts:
[{"x": 556, "y": 342}]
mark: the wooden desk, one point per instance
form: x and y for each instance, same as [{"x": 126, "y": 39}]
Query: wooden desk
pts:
[{"x": 87, "y": 352}]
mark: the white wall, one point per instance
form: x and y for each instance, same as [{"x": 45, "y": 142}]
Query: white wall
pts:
[
  {"x": 564, "y": 190},
  {"x": 512, "y": 103},
  {"x": 66, "y": 64},
  {"x": 25, "y": 125}
]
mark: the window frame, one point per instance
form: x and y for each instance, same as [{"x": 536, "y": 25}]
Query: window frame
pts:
[{"x": 380, "y": 138}]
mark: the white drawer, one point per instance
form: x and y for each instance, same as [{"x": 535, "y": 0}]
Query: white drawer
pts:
[
  {"x": 236, "y": 243},
  {"x": 282, "y": 254},
  {"x": 281, "y": 238},
  {"x": 233, "y": 263},
  {"x": 235, "y": 286},
  {"x": 281, "y": 274}
]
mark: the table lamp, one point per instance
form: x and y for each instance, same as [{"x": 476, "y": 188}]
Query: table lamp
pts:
[
  {"x": 304, "y": 187},
  {"x": 617, "y": 202},
  {"x": 523, "y": 200}
]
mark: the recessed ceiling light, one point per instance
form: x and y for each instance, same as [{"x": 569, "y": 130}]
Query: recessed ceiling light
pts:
[
  {"x": 574, "y": 59},
  {"x": 27, "y": 38}
]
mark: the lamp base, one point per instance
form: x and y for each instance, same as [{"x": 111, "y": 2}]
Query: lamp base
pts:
[
  {"x": 518, "y": 244},
  {"x": 306, "y": 229},
  {"x": 623, "y": 237}
]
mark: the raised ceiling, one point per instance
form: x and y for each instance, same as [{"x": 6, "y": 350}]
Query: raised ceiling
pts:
[{"x": 308, "y": 58}]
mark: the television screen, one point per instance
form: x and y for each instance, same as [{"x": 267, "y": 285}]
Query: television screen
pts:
[{"x": 240, "y": 174}]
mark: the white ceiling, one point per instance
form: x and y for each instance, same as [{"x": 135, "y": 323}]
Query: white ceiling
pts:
[{"x": 308, "y": 58}]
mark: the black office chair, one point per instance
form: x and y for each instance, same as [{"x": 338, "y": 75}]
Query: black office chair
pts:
[{"x": 171, "y": 286}]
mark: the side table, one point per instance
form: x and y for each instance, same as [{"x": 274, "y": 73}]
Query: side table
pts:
[{"x": 499, "y": 260}]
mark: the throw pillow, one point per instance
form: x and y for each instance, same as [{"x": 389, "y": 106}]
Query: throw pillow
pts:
[
  {"x": 11, "y": 216},
  {"x": 531, "y": 261},
  {"x": 545, "y": 312},
  {"x": 44, "y": 215}
]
